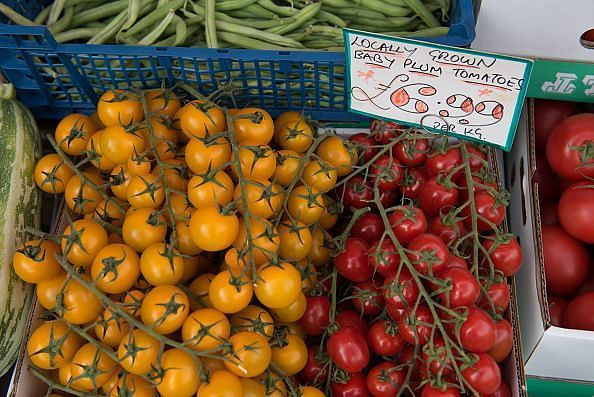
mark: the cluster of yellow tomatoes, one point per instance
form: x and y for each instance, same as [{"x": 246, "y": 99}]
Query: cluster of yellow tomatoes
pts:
[{"x": 196, "y": 234}]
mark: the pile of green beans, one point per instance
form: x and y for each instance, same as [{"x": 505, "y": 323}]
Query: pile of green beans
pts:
[{"x": 251, "y": 24}]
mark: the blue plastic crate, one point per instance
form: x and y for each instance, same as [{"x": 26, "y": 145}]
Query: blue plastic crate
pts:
[{"x": 54, "y": 79}]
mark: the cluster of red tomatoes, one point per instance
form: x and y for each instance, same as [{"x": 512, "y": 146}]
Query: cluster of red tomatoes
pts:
[
  {"x": 565, "y": 174},
  {"x": 422, "y": 264},
  {"x": 196, "y": 234}
]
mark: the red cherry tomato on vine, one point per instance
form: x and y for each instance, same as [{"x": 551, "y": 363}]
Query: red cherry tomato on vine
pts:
[
  {"x": 411, "y": 152},
  {"x": 357, "y": 193},
  {"x": 400, "y": 290},
  {"x": 476, "y": 158},
  {"x": 352, "y": 263},
  {"x": 384, "y": 131},
  {"x": 557, "y": 307},
  {"x": 317, "y": 315},
  {"x": 350, "y": 318},
  {"x": 483, "y": 375},
  {"x": 504, "y": 341},
  {"x": 385, "y": 379},
  {"x": 366, "y": 145},
  {"x": 428, "y": 254},
  {"x": 388, "y": 198},
  {"x": 368, "y": 227},
  {"x": 448, "y": 391},
  {"x": 486, "y": 207},
  {"x": 410, "y": 325},
  {"x": 412, "y": 180},
  {"x": 449, "y": 231},
  {"x": 497, "y": 298},
  {"x": 569, "y": 148},
  {"x": 368, "y": 298},
  {"x": 462, "y": 290},
  {"x": 435, "y": 195},
  {"x": 395, "y": 312},
  {"x": 435, "y": 357},
  {"x": 348, "y": 349},
  {"x": 384, "y": 339},
  {"x": 456, "y": 262},
  {"x": 407, "y": 223},
  {"x": 355, "y": 386},
  {"x": 384, "y": 257},
  {"x": 443, "y": 163},
  {"x": 478, "y": 331},
  {"x": 314, "y": 370},
  {"x": 386, "y": 172},
  {"x": 505, "y": 256}
]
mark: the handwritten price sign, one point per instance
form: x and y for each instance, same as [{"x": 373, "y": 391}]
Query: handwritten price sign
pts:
[{"x": 469, "y": 94}]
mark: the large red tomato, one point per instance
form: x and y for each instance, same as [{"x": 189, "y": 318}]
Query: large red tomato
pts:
[
  {"x": 579, "y": 314},
  {"x": 566, "y": 261},
  {"x": 557, "y": 307},
  {"x": 569, "y": 149},
  {"x": 547, "y": 115},
  {"x": 548, "y": 182},
  {"x": 576, "y": 211}
]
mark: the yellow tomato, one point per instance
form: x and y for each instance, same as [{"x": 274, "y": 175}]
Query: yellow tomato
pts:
[
  {"x": 119, "y": 107},
  {"x": 52, "y": 345},
  {"x": 256, "y": 161},
  {"x": 279, "y": 286},
  {"x": 264, "y": 199},
  {"x": 265, "y": 240},
  {"x": 165, "y": 308},
  {"x": 179, "y": 374},
  {"x": 82, "y": 241},
  {"x": 88, "y": 356},
  {"x": 305, "y": 204},
  {"x": 205, "y": 329},
  {"x": 73, "y": 133},
  {"x": 230, "y": 294},
  {"x": 145, "y": 191},
  {"x": 320, "y": 174},
  {"x": 253, "y": 319},
  {"x": 199, "y": 119},
  {"x": 161, "y": 264},
  {"x": 213, "y": 230},
  {"x": 211, "y": 189},
  {"x": 296, "y": 134},
  {"x": 295, "y": 240},
  {"x": 138, "y": 352},
  {"x": 51, "y": 174},
  {"x": 118, "y": 143},
  {"x": 199, "y": 291},
  {"x": 81, "y": 197},
  {"x": 287, "y": 167},
  {"x": 142, "y": 228},
  {"x": 252, "y": 124},
  {"x": 95, "y": 154},
  {"x": 292, "y": 357},
  {"x": 340, "y": 153},
  {"x": 293, "y": 312},
  {"x": 250, "y": 356},
  {"x": 34, "y": 261},
  {"x": 202, "y": 154},
  {"x": 115, "y": 269}
]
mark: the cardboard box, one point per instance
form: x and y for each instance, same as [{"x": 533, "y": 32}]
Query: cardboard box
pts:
[
  {"x": 552, "y": 33},
  {"x": 25, "y": 384},
  {"x": 553, "y": 356}
]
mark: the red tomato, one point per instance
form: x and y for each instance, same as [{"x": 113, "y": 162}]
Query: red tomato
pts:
[
  {"x": 503, "y": 391},
  {"x": 486, "y": 207},
  {"x": 407, "y": 223},
  {"x": 410, "y": 329},
  {"x": 442, "y": 163},
  {"x": 384, "y": 339},
  {"x": 569, "y": 148},
  {"x": 435, "y": 357},
  {"x": 368, "y": 298},
  {"x": 352, "y": 263},
  {"x": 365, "y": 144},
  {"x": 385, "y": 379},
  {"x": 566, "y": 261},
  {"x": 350, "y": 318},
  {"x": 462, "y": 288},
  {"x": 557, "y": 307},
  {"x": 497, "y": 298},
  {"x": 504, "y": 341},
  {"x": 412, "y": 180},
  {"x": 485, "y": 183},
  {"x": 388, "y": 198},
  {"x": 548, "y": 214},
  {"x": 317, "y": 315},
  {"x": 576, "y": 211},
  {"x": 447, "y": 391},
  {"x": 478, "y": 157},
  {"x": 369, "y": 227},
  {"x": 548, "y": 182},
  {"x": 578, "y": 314},
  {"x": 411, "y": 152},
  {"x": 356, "y": 386},
  {"x": 395, "y": 312},
  {"x": 477, "y": 333},
  {"x": 483, "y": 375},
  {"x": 384, "y": 257},
  {"x": 435, "y": 195},
  {"x": 505, "y": 256},
  {"x": 348, "y": 349},
  {"x": 456, "y": 262},
  {"x": 357, "y": 193},
  {"x": 429, "y": 254},
  {"x": 314, "y": 370},
  {"x": 386, "y": 172},
  {"x": 400, "y": 290},
  {"x": 410, "y": 358},
  {"x": 548, "y": 115},
  {"x": 448, "y": 230},
  {"x": 384, "y": 131}
]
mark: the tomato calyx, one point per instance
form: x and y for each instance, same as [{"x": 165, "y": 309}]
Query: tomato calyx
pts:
[
  {"x": 255, "y": 117},
  {"x": 110, "y": 265},
  {"x": 586, "y": 152},
  {"x": 32, "y": 251}
]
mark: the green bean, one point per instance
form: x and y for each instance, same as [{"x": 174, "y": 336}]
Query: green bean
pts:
[
  {"x": 210, "y": 24},
  {"x": 104, "y": 11},
  {"x": 181, "y": 30},
  {"x": 421, "y": 10},
  {"x": 429, "y": 32},
  {"x": 305, "y": 14},
  {"x": 386, "y": 9},
  {"x": 298, "y": 36},
  {"x": 95, "y": 24},
  {"x": 110, "y": 29},
  {"x": 321, "y": 44},
  {"x": 62, "y": 23},
  {"x": 257, "y": 34},
  {"x": 76, "y": 34},
  {"x": 228, "y": 5},
  {"x": 254, "y": 23},
  {"x": 253, "y": 11},
  {"x": 15, "y": 16},
  {"x": 331, "y": 18},
  {"x": 326, "y": 30},
  {"x": 158, "y": 30},
  {"x": 354, "y": 12},
  {"x": 279, "y": 10},
  {"x": 246, "y": 42},
  {"x": 192, "y": 21},
  {"x": 133, "y": 10},
  {"x": 56, "y": 11},
  {"x": 42, "y": 16},
  {"x": 155, "y": 16},
  {"x": 393, "y": 22}
]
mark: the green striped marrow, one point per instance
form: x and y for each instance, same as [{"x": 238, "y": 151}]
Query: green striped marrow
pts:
[{"x": 19, "y": 209}]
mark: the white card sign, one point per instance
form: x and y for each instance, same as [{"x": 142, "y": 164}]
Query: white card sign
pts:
[{"x": 469, "y": 94}]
